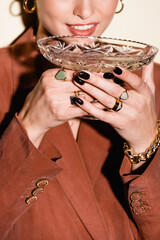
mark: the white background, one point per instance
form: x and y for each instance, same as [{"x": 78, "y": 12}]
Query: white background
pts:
[{"x": 140, "y": 20}]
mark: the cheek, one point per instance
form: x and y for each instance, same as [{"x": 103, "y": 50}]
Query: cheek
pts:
[
  {"x": 107, "y": 12},
  {"x": 51, "y": 16},
  {"x": 51, "y": 10}
]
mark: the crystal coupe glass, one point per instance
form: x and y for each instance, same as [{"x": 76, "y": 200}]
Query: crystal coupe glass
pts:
[{"x": 97, "y": 54}]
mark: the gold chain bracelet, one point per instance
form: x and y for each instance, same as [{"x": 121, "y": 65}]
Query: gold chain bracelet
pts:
[{"x": 136, "y": 158}]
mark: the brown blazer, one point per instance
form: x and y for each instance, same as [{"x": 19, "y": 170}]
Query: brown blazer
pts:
[{"x": 67, "y": 189}]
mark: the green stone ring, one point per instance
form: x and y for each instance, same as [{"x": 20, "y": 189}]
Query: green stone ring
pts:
[
  {"x": 60, "y": 75},
  {"x": 124, "y": 95}
]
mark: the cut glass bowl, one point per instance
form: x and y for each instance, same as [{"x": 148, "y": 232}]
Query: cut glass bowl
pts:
[{"x": 97, "y": 54}]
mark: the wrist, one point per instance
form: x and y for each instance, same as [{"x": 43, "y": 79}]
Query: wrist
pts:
[
  {"x": 140, "y": 158},
  {"x": 34, "y": 132},
  {"x": 141, "y": 145}
]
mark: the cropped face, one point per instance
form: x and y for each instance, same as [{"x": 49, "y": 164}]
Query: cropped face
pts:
[{"x": 74, "y": 17}]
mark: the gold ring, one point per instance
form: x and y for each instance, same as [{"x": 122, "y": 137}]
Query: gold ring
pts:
[
  {"x": 117, "y": 106},
  {"x": 76, "y": 94},
  {"x": 94, "y": 101}
]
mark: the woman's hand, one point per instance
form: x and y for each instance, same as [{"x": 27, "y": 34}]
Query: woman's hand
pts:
[
  {"x": 48, "y": 105},
  {"x": 136, "y": 121}
]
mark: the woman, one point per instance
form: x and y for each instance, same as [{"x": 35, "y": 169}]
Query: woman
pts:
[{"x": 59, "y": 174}]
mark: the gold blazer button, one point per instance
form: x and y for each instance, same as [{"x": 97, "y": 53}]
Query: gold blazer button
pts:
[
  {"x": 42, "y": 183},
  {"x": 30, "y": 199}
]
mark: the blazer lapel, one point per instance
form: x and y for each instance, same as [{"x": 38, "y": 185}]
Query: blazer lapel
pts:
[{"x": 75, "y": 182}]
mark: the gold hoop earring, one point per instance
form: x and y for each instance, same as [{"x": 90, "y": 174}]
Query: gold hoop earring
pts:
[
  {"x": 27, "y": 9},
  {"x": 122, "y": 6}
]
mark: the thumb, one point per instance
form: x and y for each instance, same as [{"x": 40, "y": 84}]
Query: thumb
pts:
[{"x": 148, "y": 76}]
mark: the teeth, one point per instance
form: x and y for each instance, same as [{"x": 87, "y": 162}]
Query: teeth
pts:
[{"x": 84, "y": 27}]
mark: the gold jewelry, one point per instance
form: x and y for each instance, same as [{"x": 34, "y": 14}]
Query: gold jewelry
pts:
[
  {"x": 122, "y": 6},
  {"x": 136, "y": 158},
  {"x": 76, "y": 94},
  {"x": 94, "y": 101},
  {"x": 29, "y": 8},
  {"x": 61, "y": 75},
  {"x": 124, "y": 95},
  {"x": 13, "y": 10},
  {"x": 117, "y": 107}
]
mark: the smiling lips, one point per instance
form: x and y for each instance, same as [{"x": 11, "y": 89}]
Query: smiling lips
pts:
[{"x": 82, "y": 29}]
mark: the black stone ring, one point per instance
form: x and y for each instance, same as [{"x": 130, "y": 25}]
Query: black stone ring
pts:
[{"x": 117, "y": 107}]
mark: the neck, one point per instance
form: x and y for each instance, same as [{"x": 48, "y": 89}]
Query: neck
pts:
[
  {"x": 41, "y": 32},
  {"x": 74, "y": 125}
]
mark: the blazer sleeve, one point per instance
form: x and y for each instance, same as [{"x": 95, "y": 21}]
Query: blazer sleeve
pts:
[
  {"x": 24, "y": 169},
  {"x": 143, "y": 193},
  {"x": 143, "y": 190},
  {"x": 22, "y": 166}
]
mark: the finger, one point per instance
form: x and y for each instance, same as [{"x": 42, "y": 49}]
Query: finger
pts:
[
  {"x": 99, "y": 82},
  {"x": 97, "y": 93},
  {"x": 64, "y": 110},
  {"x": 147, "y": 76},
  {"x": 55, "y": 86},
  {"x": 60, "y": 75},
  {"x": 49, "y": 78},
  {"x": 130, "y": 78},
  {"x": 74, "y": 112},
  {"x": 98, "y": 113}
]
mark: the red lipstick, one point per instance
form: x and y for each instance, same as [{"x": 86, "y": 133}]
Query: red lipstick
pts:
[{"x": 82, "y": 29}]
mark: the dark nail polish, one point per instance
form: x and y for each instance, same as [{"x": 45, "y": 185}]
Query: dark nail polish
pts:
[
  {"x": 72, "y": 100},
  {"x": 117, "y": 70},
  {"x": 108, "y": 75},
  {"x": 77, "y": 100},
  {"x": 118, "y": 81},
  {"x": 84, "y": 75},
  {"x": 78, "y": 80}
]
